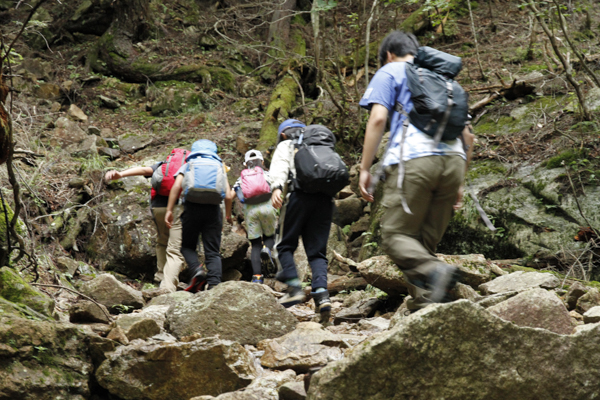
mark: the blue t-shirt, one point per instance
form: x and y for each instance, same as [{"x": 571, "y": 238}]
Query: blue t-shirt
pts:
[{"x": 388, "y": 86}]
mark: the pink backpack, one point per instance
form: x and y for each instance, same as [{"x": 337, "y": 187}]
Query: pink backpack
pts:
[{"x": 255, "y": 187}]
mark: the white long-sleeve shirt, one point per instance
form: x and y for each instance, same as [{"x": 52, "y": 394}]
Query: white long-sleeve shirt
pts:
[{"x": 281, "y": 165}]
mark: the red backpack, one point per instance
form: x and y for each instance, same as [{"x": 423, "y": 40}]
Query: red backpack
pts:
[
  {"x": 164, "y": 176},
  {"x": 255, "y": 187}
]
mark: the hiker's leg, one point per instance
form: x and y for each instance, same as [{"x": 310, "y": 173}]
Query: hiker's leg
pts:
[
  {"x": 212, "y": 226},
  {"x": 190, "y": 231},
  {"x": 291, "y": 220},
  {"x": 444, "y": 198},
  {"x": 315, "y": 234},
  {"x": 402, "y": 232},
  {"x": 255, "y": 256},
  {"x": 268, "y": 220},
  {"x": 269, "y": 241},
  {"x": 175, "y": 261},
  {"x": 162, "y": 240}
]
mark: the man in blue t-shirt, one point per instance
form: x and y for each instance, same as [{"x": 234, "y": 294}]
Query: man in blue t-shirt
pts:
[{"x": 432, "y": 182}]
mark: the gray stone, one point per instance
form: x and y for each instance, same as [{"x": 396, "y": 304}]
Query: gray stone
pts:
[
  {"x": 377, "y": 324},
  {"x": 112, "y": 154},
  {"x": 575, "y": 292},
  {"x": 240, "y": 311},
  {"x": 475, "y": 269},
  {"x": 292, "y": 391},
  {"x": 107, "y": 290},
  {"x": 48, "y": 91},
  {"x": 363, "y": 309},
  {"x": 493, "y": 299},
  {"x": 384, "y": 274},
  {"x": 592, "y": 315},
  {"x": 76, "y": 114},
  {"x": 232, "y": 275},
  {"x": 345, "y": 193},
  {"x": 66, "y": 132},
  {"x": 520, "y": 281},
  {"x": 463, "y": 352},
  {"x": 170, "y": 298},
  {"x": 177, "y": 371},
  {"x": 588, "y": 300},
  {"x": 87, "y": 148},
  {"x": 462, "y": 291},
  {"x": 136, "y": 327},
  {"x": 536, "y": 308},
  {"x": 86, "y": 311},
  {"x": 337, "y": 243},
  {"x": 308, "y": 346},
  {"x": 94, "y": 130},
  {"x": 347, "y": 211},
  {"x": 132, "y": 143},
  {"x": 68, "y": 265},
  {"x": 242, "y": 144},
  {"x": 109, "y": 103}
]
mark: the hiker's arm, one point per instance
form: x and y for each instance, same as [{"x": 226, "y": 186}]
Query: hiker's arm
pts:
[
  {"x": 135, "y": 171},
  {"x": 279, "y": 172},
  {"x": 373, "y": 135},
  {"x": 468, "y": 139},
  {"x": 230, "y": 194},
  {"x": 173, "y": 196}
]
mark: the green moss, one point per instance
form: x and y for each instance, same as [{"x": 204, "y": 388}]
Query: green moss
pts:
[
  {"x": 282, "y": 101},
  {"x": 223, "y": 79},
  {"x": 19, "y": 227},
  {"x": 299, "y": 43},
  {"x": 486, "y": 167},
  {"x": 567, "y": 156},
  {"x": 501, "y": 126},
  {"x": 14, "y": 289}
]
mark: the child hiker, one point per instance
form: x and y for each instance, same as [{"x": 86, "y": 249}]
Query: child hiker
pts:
[
  {"x": 169, "y": 261},
  {"x": 254, "y": 191},
  {"x": 202, "y": 181}
]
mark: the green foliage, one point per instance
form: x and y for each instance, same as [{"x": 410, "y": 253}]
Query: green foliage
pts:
[{"x": 568, "y": 156}]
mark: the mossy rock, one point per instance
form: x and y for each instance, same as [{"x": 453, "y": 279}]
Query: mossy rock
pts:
[
  {"x": 222, "y": 79},
  {"x": 14, "y": 289},
  {"x": 19, "y": 228},
  {"x": 281, "y": 103}
]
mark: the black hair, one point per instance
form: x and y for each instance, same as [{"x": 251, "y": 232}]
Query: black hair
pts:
[
  {"x": 257, "y": 162},
  {"x": 398, "y": 43}
]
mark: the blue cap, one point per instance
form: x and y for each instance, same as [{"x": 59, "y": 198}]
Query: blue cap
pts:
[
  {"x": 204, "y": 145},
  {"x": 289, "y": 123}
]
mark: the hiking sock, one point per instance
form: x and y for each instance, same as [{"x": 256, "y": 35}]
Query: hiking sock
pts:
[
  {"x": 293, "y": 282},
  {"x": 319, "y": 290}
]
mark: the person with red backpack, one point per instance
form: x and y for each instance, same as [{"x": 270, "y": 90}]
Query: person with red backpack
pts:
[
  {"x": 254, "y": 191},
  {"x": 169, "y": 260}
]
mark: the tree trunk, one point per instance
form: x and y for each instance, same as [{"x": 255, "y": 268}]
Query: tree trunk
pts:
[{"x": 279, "y": 30}]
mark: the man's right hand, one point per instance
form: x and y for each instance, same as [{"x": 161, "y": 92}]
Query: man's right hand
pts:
[
  {"x": 276, "y": 199},
  {"x": 169, "y": 219},
  {"x": 112, "y": 175},
  {"x": 364, "y": 182}
]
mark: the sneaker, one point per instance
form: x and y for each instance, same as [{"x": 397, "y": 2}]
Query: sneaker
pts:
[
  {"x": 258, "y": 279},
  {"x": 322, "y": 302},
  {"x": 266, "y": 259},
  {"x": 294, "y": 295},
  {"x": 198, "y": 279},
  {"x": 441, "y": 282}
]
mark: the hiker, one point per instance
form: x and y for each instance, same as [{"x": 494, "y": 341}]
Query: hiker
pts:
[
  {"x": 432, "y": 184},
  {"x": 254, "y": 191},
  {"x": 305, "y": 211},
  {"x": 202, "y": 181},
  {"x": 169, "y": 261}
]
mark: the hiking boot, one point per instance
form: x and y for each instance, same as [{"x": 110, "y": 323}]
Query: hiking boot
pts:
[
  {"x": 266, "y": 259},
  {"x": 322, "y": 302},
  {"x": 294, "y": 295},
  {"x": 258, "y": 279},
  {"x": 441, "y": 281},
  {"x": 198, "y": 280}
]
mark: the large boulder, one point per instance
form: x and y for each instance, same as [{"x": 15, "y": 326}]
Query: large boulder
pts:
[
  {"x": 14, "y": 289},
  {"x": 520, "y": 281},
  {"x": 461, "y": 351},
  {"x": 240, "y": 311},
  {"x": 588, "y": 300},
  {"x": 176, "y": 371},
  {"x": 111, "y": 293},
  {"x": 308, "y": 346},
  {"x": 475, "y": 269},
  {"x": 43, "y": 360},
  {"x": 536, "y": 308},
  {"x": 347, "y": 211}
]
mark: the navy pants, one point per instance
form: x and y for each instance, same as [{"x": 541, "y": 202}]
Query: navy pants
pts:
[
  {"x": 205, "y": 219},
  {"x": 308, "y": 215}
]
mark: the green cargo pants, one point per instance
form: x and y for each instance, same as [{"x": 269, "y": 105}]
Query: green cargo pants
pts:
[{"x": 430, "y": 188}]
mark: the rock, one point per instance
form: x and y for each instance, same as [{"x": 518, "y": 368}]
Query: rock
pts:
[
  {"x": 292, "y": 391},
  {"x": 66, "y": 264},
  {"x": 112, "y": 154},
  {"x": 364, "y": 309},
  {"x": 475, "y": 269},
  {"x": 592, "y": 315},
  {"x": 109, "y": 103},
  {"x": 66, "y": 132},
  {"x": 242, "y": 144},
  {"x": 240, "y": 311},
  {"x": 492, "y": 300},
  {"x": 87, "y": 148},
  {"x": 153, "y": 312},
  {"x": 170, "y": 298},
  {"x": 250, "y": 88},
  {"x": 347, "y": 211},
  {"x": 346, "y": 283},
  {"x": 136, "y": 327},
  {"x": 575, "y": 292},
  {"x": 359, "y": 227},
  {"x": 520, "y": 281},
  {"x": 43, "y": 360},
  {"x": 118, "y": 335},
  {"x": 131, "y": 143},
  {"x": 309, "y": 345},
  {"x": 106, "y": 133},
  {"x": 86, "y": 311},
  {"x": 150, "y": 294},
  {"x": 76, "y": 114},
  {"x": 232, "y": 275},
  {"x": 337, "y": 243},
  {"x": 463, "y": 352},
  {"x": 48, "y": 91},
  {"x": 77, "y": 183},
  {"x": 384, "y": 274},
  {"x": 107, "y": 290},
  {"x": 233, "y": 250},
  {"x": 263, "y": 388},
  {"x": 39, "y": 69},
  {"x": 14, "y": 289},
  {"x": 173, "y": 100},
  {"x": 345, "y": 193},
  {"x": 374, "y": 324},
  {"x": 536, "y": 308},
  {"x": 588, "y": 300},
  {"x": 94, "y": 130},
  {"x": 176, "y": 371},
  {"x": 462, "y": 291}
]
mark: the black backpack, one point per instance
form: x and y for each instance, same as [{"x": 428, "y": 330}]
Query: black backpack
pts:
[
  {"x": 319, "y": 169},
  {"x": 440, "y": 104}
]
